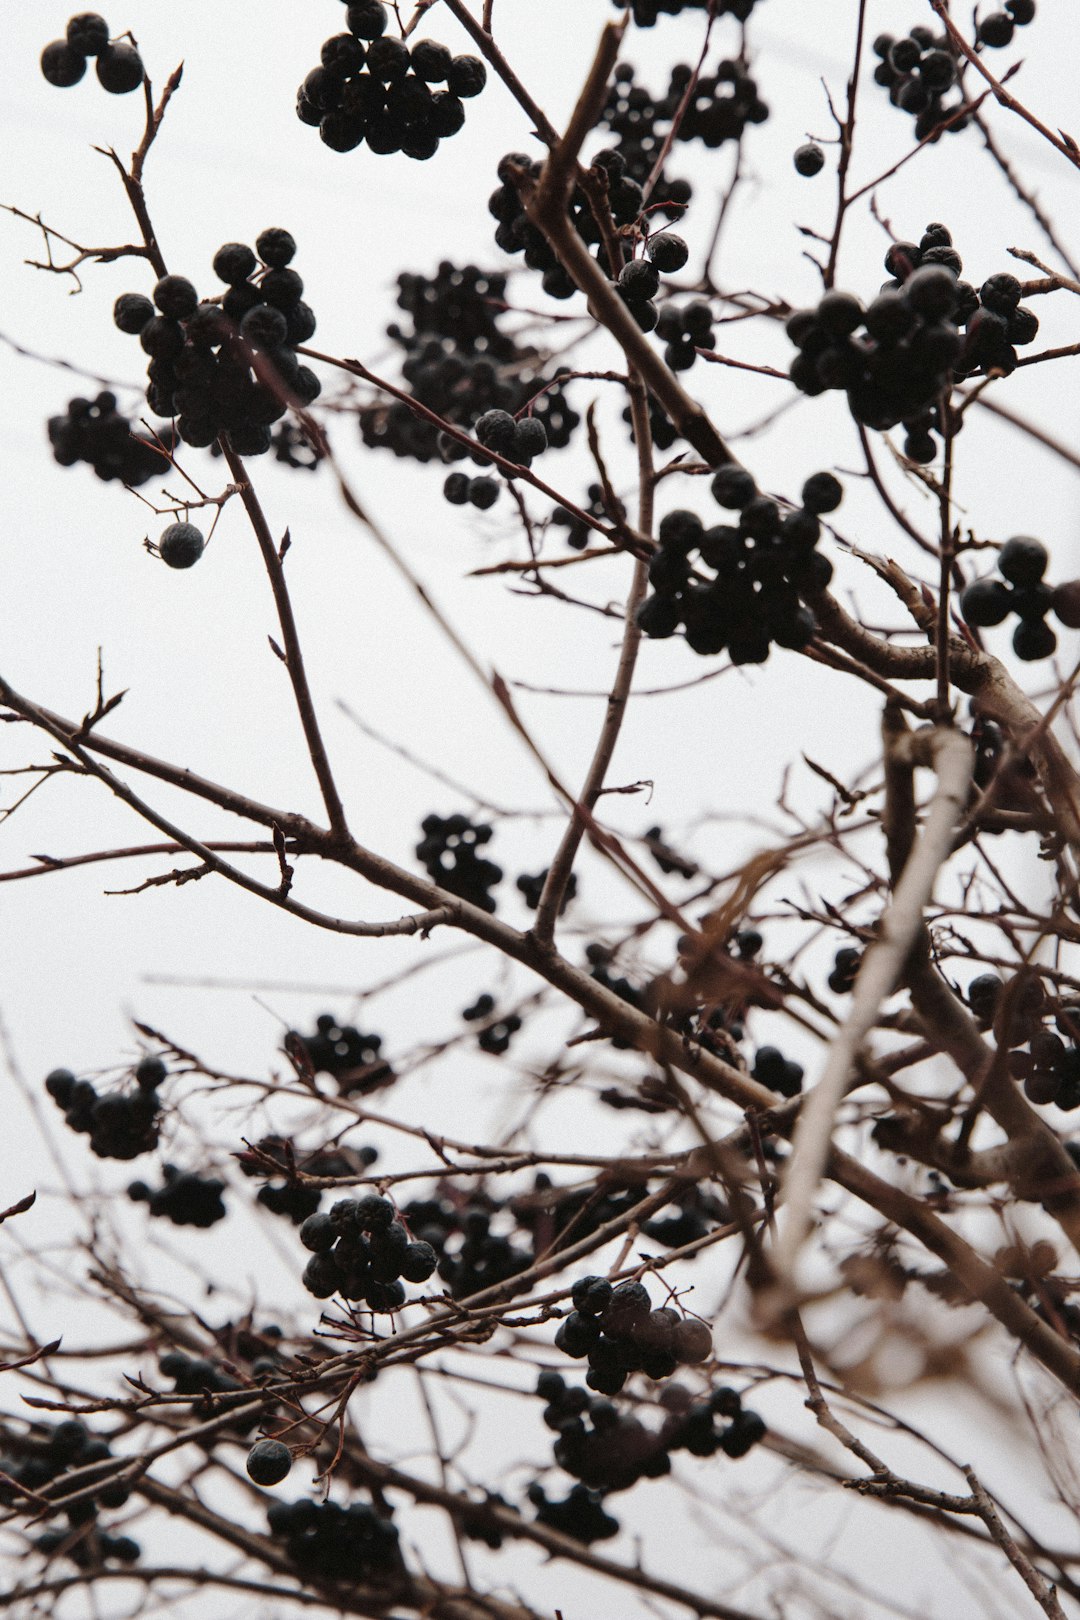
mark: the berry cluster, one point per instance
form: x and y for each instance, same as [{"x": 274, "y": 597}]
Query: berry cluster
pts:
[
  {"x": 515, "y": 233},
  {"x": 760, "y": 570},
  {"x": 184, "y": 1198},
  {"x": 120, "y": 1124},
  {"x": 374, "y": 88},
  {"x": 352, "y": 1059},
  {"x": 1022, "y": 590},
  {"x": 722, "y": 105},
  {"x": 648, "y": 12},
  {"x": 620, "y": 1333},
  {"x": 470, "y": 1256},
  {"x": 93, "y": 430},
  {"x": 196, "y": 1375},
  {"x": 697, "y": 1213},
  {"x": 662, "y": 429},
  {"x": 600, "y": 958},
  {"x": 36, "y": 1460},
  {"x": 580, "y": 1515},
  {"x": 985, "y": 995},
  {"x": 328, "y": 1542},
  {"x": 497, "y": 1032},
  {"x": 919, "y": 69},
  {"x": 640, "y": 124},
  {"x": 618, "y": 1449},
  {"x": 531, "y": 888},
  {"x": 685, "y": 331},
  {"x": 1050, "y": 1069},
  {"x": 461, "y": 490},
  {"x": 996, "y": 28},
  {"x": 845, "y": 969},
  {"x": 771, "y": 1068},
  {"x": 449, "y": 851},
  {"x": 910, "y": 344},
  {"x": 577, "y": 537},
  {"x": 119, "y": 65},
  {"x": 361, "y": 1250},
  {"x": 460, "y": 365},
  {"x": 229, "y": 365},
  {"x": 667, "y": 859},
  {"x": 290, "y": 1198}
]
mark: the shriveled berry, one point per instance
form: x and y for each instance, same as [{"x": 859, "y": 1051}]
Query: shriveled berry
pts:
[
  {"x": 181, "y": 545},
  {"x": 176, "y": 296},
  {"x": 269, "y": 1462},
  {"x": 234, "y": 262},
  {"x": 809, "y": 159},
  {"x": 131, "y": 312},
  {"x": 668, "y": 252}
]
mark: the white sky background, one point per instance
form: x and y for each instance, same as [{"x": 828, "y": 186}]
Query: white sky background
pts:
[{"x": 203, "y": 688}]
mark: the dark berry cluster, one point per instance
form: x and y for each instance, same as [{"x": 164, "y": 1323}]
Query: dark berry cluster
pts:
[
  {"x": 695, "y": 1214},
  {"x": 845, "y": 969},
  {"x": 647, "y": 12},
  {"x": 684, "y": 331},
  {"x": 640, "y": 124},
  {"x": 771, "y": 1068},
  {"x": 471, "y": 1256},
  {"x": 580, "y": 1515},
  {"x": 1050, "y": 1068},
  {"x": 329, "y": 1542},
  {"x": 721, "y": 106},
  {"x": 662, "y": 429},
  {"x": 600, "y": 959},
  {"x": 88, "y": 1547},
  {"x": 197, "y": 1375},
  {"x": 461, "y": 490},
  {"x": 461, "y": 365},
  {"x": 996, "y": 28},
  {"x": 496, "y": 1030},
  {"x": 919, "y": 69},
  {"x": 895, "y": 357},
  {"x": 577, "y": 536},
  {"x": 667, "y": 859},
  {"x": 515, "y": 233},
  {"x": 555, "y": 1216},
  {"x": 93, "y": 430},
  {"x": 31, "y": 1462},
  {"x": 291, "y": 445},
  {"x": 290, "y": 1198},
  {"x": 119, "y": 65},
  {"x": 985, "y": 997},
  {"x": 228, "y": 365},
  {"x": 372, "y": 87},
  {"x": 1022, "y": 590},
  {"x": 532, "y": 887},
  {"x": 184, "y": 1198},
  {"x": 120, "y": 1124},
  {"x": 361, "y": 1250},
  {"x": 620, "y": 1333},
  {"x": 352, "y": 1059},
  {"x": 759, "y": 571},
  {"x": 617, "y": 1449},
  {"x": 450, "y": 853}
]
